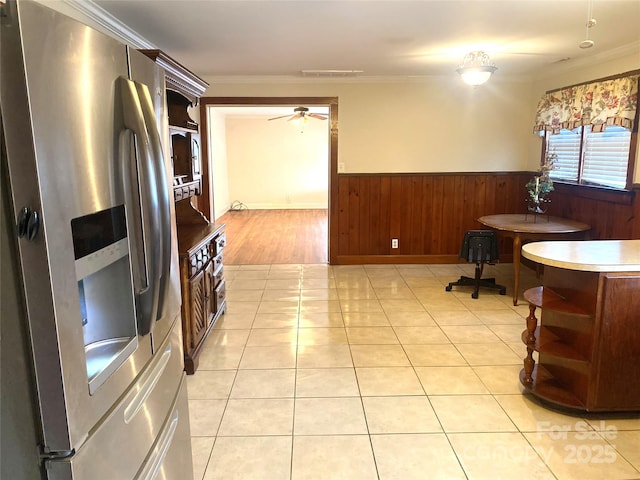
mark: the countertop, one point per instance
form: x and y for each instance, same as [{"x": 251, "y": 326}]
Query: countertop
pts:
[{"x": 589, "y": 256}]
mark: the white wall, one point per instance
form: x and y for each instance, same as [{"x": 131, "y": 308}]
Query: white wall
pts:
[
  {"x": 431, "y": 125},
  {"x": 272, "y": 165},
  {"x": 436, "y": 124}
]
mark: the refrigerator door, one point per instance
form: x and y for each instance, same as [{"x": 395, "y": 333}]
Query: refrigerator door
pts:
[
  {"x": 170, "y": 457},
  {"x": 147, "y": 429},
  {"x": 19, "y": 430},
  {"x": 150, "y": 84},
  {"x": 71, "y": 159}
]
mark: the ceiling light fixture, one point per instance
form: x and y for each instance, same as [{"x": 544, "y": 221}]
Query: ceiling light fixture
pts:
[{"x": 476, "y": 68}]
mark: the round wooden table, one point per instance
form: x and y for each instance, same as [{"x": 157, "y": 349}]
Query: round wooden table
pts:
[{"x": 531, "y": 227}]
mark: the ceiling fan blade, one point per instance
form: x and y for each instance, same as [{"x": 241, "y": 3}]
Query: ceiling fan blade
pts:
[
  {"x": 276, "y": 118},
  {"x": 319, "y": 116},
  {"x": 293, "y": 117}
]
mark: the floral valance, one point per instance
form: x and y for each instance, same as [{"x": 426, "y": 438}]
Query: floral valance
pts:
[{"x": 608, "y": 102}]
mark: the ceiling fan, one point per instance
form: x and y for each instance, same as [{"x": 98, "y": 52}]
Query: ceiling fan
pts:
[{"x": 300, "y": 113}]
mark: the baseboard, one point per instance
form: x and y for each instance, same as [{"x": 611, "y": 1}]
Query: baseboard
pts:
[
  {"x": 394, "y": 259},
  {"x": 403, "y": 259}
]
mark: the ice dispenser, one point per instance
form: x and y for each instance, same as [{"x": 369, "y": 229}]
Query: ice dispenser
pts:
[{"x": 105, "y": 290}]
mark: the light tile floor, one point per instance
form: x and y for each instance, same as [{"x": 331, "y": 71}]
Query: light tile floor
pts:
[{"x": 375, "y": 372}]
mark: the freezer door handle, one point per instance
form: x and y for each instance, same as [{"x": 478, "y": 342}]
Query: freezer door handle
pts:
[
  {"x": 147, "y": 299},
  {"x": 147, "y": 386},
  {"x": 150, "y": 471}
]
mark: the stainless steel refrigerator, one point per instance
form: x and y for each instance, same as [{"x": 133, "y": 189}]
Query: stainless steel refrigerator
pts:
[{"x": 91, "y": 349}]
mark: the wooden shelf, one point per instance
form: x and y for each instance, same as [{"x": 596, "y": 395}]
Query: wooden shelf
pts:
[
  {"x": 177, "y": 128},
  {"x": 549, "y": 343},
  {"x": 588, "y": 340},
  {"x": 547, "y": 387},
  {"x": 545, "y": 298}
]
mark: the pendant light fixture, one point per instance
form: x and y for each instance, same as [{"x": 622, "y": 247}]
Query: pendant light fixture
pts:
[
  {"x": 591, "y": 22},
  {"x": 476, "y": 68}
]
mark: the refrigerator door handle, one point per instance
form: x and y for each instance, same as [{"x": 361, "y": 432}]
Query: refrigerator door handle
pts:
[
  {"x": 130, "y": 182},
  {"x": 147, "y": 301},
  {"x": 162, "y": 191}
]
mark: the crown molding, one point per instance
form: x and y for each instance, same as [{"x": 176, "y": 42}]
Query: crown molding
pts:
[
  {"x": 178, "y": 76},
  {"x": 109, "y": 23},
  {"x": 390, "y": 79}
]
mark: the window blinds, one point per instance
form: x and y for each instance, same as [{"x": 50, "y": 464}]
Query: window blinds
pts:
[{"x": 605, "y": 156}]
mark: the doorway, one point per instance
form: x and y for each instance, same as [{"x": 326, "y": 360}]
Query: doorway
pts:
[{"x": 330, "y": 103}]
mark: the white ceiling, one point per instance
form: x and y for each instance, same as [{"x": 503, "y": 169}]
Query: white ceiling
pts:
[{"x": 381, "y": 38}]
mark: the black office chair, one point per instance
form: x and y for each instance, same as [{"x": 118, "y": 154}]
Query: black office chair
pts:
[{"x": 479, "y": 247}]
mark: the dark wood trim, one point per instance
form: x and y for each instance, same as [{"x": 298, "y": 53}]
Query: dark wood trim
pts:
[
  {"x": 205, "y": 201},
  {"x": 394, "y": 259},
  {"x": 331, "y": 102},
  {"x": 633, "y": 153},
  {"x": 333, "y": 181},
  {"x": 406, "y": 259},
  {"x": 591, "y": 192},
  {"x": 275, "y": 101}
]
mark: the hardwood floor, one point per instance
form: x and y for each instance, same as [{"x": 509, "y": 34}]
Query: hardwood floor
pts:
[{"x": 258, "y": 237}]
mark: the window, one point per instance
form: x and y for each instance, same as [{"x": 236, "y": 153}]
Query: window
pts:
[{"x": 591, "y": 158}]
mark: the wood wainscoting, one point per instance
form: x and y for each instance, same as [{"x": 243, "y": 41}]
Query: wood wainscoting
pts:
[
  {"x": 613, "y": 215},
  {"x": 427, "y": 213}
]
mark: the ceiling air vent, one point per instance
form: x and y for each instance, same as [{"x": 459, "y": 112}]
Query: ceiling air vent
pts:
[{"x": 331, "y": 73}]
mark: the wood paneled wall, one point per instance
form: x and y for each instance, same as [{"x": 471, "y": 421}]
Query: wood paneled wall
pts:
[
  {"x": 429, "y": 213},
  {"x": 612, "y": 215}
]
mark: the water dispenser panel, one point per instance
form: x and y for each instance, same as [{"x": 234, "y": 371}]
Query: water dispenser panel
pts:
[{"x": 105, "y": 292}]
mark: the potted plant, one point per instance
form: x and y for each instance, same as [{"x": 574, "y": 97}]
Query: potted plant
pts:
[{"x": 541, "y": 185}]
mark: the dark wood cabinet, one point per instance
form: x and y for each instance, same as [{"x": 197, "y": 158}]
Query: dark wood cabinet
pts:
[
  {"x": 200, "y": 243},
  {"x": 184, "y": 90},
  {"x": 203, "y": 292},
  {"x": 588, "y": 341},
  {"x": 195, "y": 300}
]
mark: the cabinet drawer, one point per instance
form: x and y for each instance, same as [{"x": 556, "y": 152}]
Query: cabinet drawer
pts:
[
  {"x": 221, "y": 241},
  {"x": 218, "y": 276},
  {"x": 217, "y": 262},
  {"x": 220, "y": 294}
]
